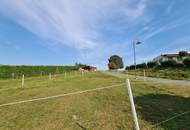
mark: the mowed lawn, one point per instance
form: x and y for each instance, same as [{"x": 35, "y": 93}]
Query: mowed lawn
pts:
[{"x": 107, "y": 109}]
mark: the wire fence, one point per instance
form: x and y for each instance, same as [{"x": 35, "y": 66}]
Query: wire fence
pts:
[
  {"x": 57, "y": 96},
  {"x": 77, "y": 74}
]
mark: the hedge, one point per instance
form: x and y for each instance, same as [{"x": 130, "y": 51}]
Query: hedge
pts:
[
  {"x": 169, "y": 63},
  {"x": 186, "y": 62},
  {"x": 152, "y": 64},
  {"x": 142, "y": 66}
]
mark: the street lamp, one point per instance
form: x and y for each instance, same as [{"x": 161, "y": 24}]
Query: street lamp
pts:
[{"x": 135, "y": 42}]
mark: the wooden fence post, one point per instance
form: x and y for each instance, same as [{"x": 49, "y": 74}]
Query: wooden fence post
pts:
[
  {"x": 13, "y": 75},
  {"x": 127, "y": 73},
  {"x": 49, "y": 76},
  {"x": 23, "y": 80},
  {"x": 144, "y": 74},
  {"x": 134, "y": 114},
  {"x": 65, "y": 75}
]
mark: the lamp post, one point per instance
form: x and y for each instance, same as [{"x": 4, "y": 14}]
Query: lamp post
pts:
[{"x": 135, "y": 42}]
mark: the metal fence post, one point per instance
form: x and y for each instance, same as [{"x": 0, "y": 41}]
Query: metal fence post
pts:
[{"x": 134, "y": 114}]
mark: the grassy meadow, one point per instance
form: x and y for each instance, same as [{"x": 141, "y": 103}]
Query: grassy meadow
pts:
[{"x": 107, "y": 109}]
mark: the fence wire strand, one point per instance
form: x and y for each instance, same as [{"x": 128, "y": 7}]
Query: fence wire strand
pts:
[
  {"x": 57, "y": 96},
  {"x": 169, "y": 119}
]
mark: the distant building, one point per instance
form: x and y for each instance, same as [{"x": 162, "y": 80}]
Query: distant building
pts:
[
  {"x": 171, "y": 56},
  {"x": 88, "y": 68}
]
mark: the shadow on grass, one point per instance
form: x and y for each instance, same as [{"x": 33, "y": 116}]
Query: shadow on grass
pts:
[{"x": 156, "y": 108}]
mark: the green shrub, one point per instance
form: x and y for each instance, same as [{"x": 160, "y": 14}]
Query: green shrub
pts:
[
  {"x": 142, "y": 66},
  {"x": 115, "y": 62},
  {"x": 179, "y": 65},
  {"x": 183, "y": 53},
  {"x": 132, "y": 67},
  {"x": 127, "y": 67},
  {"x": 152, "y": 64},
  {"x": 186, "y": 62},
  {"x": 169, "y": 63}
]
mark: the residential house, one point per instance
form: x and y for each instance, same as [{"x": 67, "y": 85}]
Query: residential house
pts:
[
  {"x": 170, "y": 56},
  {"x": 88, "y": 69}
]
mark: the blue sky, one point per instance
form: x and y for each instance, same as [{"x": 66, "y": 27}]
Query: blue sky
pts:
[{"x": 63, "y": 32}]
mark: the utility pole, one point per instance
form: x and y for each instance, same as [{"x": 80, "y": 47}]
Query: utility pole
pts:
[
  {"x": 135, "y": 42},
  {"x": 134, "y": 50}
]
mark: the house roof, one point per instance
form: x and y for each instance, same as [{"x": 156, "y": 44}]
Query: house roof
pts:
[
  {"x": 89, "y": 67},
  {"x": 172, "y": 54}
]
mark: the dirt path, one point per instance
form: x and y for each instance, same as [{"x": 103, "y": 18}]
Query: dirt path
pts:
[{"x": 161, "y": 80}]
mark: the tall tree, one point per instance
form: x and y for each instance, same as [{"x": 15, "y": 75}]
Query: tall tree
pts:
[
  {"x": 183, "y": 53},
  {"x": 115, "y": 62}
]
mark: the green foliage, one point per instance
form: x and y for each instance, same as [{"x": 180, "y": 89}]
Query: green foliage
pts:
[
  {"x": 180, "y": 73},
  {"x": 179, "y": 65},
  {"x": 138, "y": 66},
  {"x": 186, "y": 62},
  {"x": 183, "y": 53},
  {"x": 132, "y": 67},
  {"x": 152, "y": 64},
  {"x": 80, "y": 65},
  {"x": 115, "y": 62},
  {"x": 7, "y": 70},
  {"x": 112, "y": 66},
  {"x": 142, "y": 66},
  {"x": 155, "y": 65},
  {"x": 127, "y": 67},
  {"x": 169, "y": 63}
]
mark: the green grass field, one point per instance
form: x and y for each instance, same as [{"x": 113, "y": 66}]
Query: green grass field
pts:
[
  {"x": 107, "y": 109},
  {"x": 169, "y": 73}
]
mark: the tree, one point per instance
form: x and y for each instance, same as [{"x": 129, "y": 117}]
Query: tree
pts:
[
  {"x": 115, "y": 62},
  {"x": 127, "y": 68},
  {"x": 186, "y": 62},
  {"x": 132, "y": 67},
  {"x": 80, "y": 65},
  {"x": 169, "y": 63},
  {"x": 183, "y": 53},
  {"x": 152, "y": 64},
  {"x": 142, "y": 66}
]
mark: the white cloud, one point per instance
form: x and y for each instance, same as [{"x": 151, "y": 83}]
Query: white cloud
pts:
[
  {"x": 71, "y": 22},
  {"x": 177, "y": 45},
  {"x": 136, "y": 11},
  {"x": 170, "y": 7},
  {"x": 157, "y": 28}
]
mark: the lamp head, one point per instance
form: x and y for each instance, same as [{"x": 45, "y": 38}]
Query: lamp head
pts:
[{"x": 138, "y": 42}]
